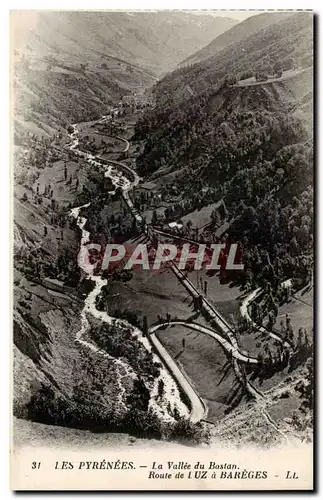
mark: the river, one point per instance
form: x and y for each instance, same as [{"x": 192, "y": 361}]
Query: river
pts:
[{"x": 171, "y": 395}]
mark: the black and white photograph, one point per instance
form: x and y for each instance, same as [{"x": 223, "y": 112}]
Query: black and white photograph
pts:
[{"x": 162, "y": 249}]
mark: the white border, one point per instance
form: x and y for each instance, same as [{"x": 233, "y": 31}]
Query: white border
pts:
[{"x": 5, "y": 197}]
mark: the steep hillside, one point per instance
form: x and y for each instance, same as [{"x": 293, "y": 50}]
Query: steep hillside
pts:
[
  {"x": 237, "y": 34},
  {"x": 71, "y": 368},
  {"x": 49, "y": 93},
  {"x": 217, "y": 139},
  {"x": 71, "y": 66},
  {"x": 248, "y": 143},
  {"x": 47, "y": 100},
  {"x": 189, "y": 100},
  {"x": 187, "y": 134},
  {"x": 157, "y": 41},
  {"x": 287, "y": 43}
]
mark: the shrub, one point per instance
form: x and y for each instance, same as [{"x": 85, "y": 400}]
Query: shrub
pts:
[{"x": 185, "y": 429}]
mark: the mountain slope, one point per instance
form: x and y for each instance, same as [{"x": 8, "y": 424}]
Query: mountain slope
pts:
[
  {"x": 236, "y": 34},
  {"x": 247, "y": 143},
  {"x": 70, "y": 66},
  {"x": 48, "y": 98},
  {"x": 288, "y": 42},
  {"x": 157, "y": 41}
]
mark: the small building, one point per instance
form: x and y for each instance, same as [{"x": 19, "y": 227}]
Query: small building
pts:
[
  {"x": 176, "y": 225},
  {"x": 287, "y": 285},
  {"x": 129, "y": 99}
]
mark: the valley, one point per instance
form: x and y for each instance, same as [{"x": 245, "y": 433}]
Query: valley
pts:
[{"x": 175, "y": 353}]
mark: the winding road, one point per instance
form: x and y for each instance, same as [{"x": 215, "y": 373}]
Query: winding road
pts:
[
  {"x": 244, "y": 311},
  {"x": 207, "y": 331},
  {"x": 119, "y": 174},
  {"x": 251, "y": 82}
]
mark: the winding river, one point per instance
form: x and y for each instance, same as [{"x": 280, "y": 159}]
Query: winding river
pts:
[
  {"x": 171, "y": 393},
  {"x": 119, "y": 174}
]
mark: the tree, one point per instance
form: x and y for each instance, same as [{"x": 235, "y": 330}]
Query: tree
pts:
[
  {"x": 118, "y": 193},
  {"x": 223, "y": 211},
  {"x": 300, "y": 338},
  {"x": 278, "y": 70},
  {"x": 144, "y": 326},
  {"x": 261, "y": 76},
  {"x": 83, "y": 67},
  {"x": 306, "y": 388},
  {"x": 260, "y": 359},
  {"x": 134, "y": 226},
  {"x": 271, "y": 321},
  {"x": 189, "y": 225},
  {"x": 215, "y": 218},
  {"x": 161, "y": 388},
  {"x": 184, "y": 428},
  {"x": 230, "y": 79},
  {"x": 154, "y": 218}
]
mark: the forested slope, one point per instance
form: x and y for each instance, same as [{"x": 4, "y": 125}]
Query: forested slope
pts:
[
  {"x": 287, "y": 42},
  {"x": 250, "y": 145},
  {"x": 236, "y": 34},
  {"x": 69, "y": 66}
]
